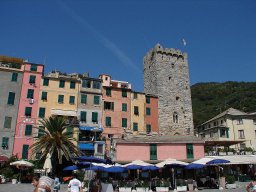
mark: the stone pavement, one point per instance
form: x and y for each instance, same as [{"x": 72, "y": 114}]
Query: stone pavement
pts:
[{"x": 8, "y": 187}]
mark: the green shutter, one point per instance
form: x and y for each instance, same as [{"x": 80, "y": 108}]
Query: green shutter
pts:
[
  {"x": 83, "y": 116},
  {"x": 32, "y": 79},
  {"x": 147, "y": 99},
  {"x": 153, "y": 152},
  {"x": 124, "y": 122},
  {"x": 28, "y": 111},
  {"x": 124, "y": 93},
  {"x": 44, "y": 95},
  {"x": 72, "y": 85},
  {"x": 62, "y": 84},
  {"x": 95, "y": 117},
  {"x": 45, "y": 82},
  {"x": 28, "y": 130},
  {"x": 148, "y": 112},
  {"x": 148, "y": 127},
  {"x": 96, "y": 100},
  {"x": 190, "y": 151},
  {"x": 71, "y": 100},
  {"x": 11, "y": 98},
  {"x": 124, "y": 107},
  {"x": 61, "y": 99},
  {"x": 136, "y": 110},
  {"x": 25, "y": 151},
  {"x": 40, "y": 131},
  {"x": 41, "y": 112},
  {"x": 108, "y": 91},
  {"x": 14, "y": 76},
  {"x": 30, "y": 93},
  {"x": 70, "y": 132},
  {"x": 7, "y": 122},
  {"x": 84, "y": 99},
  {"x": 5, "y": 143},
  {"x": 108, "y": 121},
  {"x": 33, "y": 68},
  {"x": 135, "y": 126}
]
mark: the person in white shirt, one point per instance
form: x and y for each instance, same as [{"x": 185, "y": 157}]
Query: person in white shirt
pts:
[{"x": 74, "y": 184}]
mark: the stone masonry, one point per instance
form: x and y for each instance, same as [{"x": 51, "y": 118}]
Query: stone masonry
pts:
[{"x": 166, "y": 75}]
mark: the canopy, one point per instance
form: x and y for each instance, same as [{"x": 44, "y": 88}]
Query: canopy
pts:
[
  {"x": 93, "y": 159},
  {"x": 137, "y": 164},
  {"x": 206, "y": 161},
  {"x": 237, "y": 159},
  {"x": 171, "y": 163},
  {"x": 86, "y": 146},
  {"x": 70, "y": 168},
  {"x": 22, "y": 163}
]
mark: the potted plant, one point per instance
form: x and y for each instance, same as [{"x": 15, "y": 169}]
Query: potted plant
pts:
[
  {"x": 142, "y": 186},
  {"x": 14, "y": 178},
  {"x": 230, "y": 179}
]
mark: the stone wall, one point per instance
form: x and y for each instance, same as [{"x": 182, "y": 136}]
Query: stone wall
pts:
[{"x": 166, "y": 75}]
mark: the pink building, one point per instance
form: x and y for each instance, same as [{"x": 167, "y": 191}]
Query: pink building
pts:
[
  {"x": 158, "y": 148},
  {"x": 28, "y": 110}
]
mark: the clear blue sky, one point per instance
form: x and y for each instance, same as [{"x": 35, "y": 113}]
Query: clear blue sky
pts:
[{"x": 112, "y": 37}]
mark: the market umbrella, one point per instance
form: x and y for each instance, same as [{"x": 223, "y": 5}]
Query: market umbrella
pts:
[
  {"x": 203, "y": 162},
  {"x": 71, "y": 168},
  {"x": 48, "y": 164},
  {"x": 22, "y": 164},
  {"x": 137, "y": 164},
  {"x": 171, "y": 163}
]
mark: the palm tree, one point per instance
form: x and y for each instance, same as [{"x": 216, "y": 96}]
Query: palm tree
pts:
[{"x": 55, "y": 140}]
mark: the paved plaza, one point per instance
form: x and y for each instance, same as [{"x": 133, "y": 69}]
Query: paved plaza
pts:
[{"x": 29, "y": 188}]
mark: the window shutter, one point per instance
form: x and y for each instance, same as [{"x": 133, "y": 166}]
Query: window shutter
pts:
[
  {"x": 96, "y": 100},
  {"x": 83, "y": 116},
  {"x": 41, "y": 112},
  {"x": 84, "y": 99},
  {"x": 25, "y": 151},
  {"x": 7, "y": 122},
  {"x": 95, "y": 117},
  {"x": 14, "y": 76},
  {"x": 28, "y": 130},
  {"x": 11, "y": 98}
]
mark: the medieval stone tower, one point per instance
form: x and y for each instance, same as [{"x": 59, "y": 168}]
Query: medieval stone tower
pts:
[{"x": 166, "y": 75}]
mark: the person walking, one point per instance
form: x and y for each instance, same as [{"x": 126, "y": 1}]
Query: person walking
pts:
[
  {"x": 38, "y": 186},
  {"x": 56, "y": 185},
  {"x": 251, "y": 187},
  {"x": 74, "y": 184}
]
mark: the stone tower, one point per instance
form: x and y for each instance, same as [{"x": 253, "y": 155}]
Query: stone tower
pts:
[{"x": 166, "y": 75}]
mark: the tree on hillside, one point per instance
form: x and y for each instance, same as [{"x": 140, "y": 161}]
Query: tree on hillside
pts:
[{"x": 55, "y": 140}]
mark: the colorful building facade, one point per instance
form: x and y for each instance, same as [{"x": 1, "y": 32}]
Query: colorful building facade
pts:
[
  {"x": 11, "y": 74},
  {"x": 27, "y": 110}
]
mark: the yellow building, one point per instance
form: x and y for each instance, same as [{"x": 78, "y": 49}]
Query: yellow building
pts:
[{"x": 59, "y": 96}]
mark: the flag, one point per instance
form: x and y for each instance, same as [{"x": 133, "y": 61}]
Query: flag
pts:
[{"x": 184, "y": 42}]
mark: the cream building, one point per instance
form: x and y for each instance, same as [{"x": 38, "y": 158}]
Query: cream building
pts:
[{"x": 232, "y": 127}]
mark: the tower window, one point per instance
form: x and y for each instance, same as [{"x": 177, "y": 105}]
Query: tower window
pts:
[
  {"x": 177, "y": 98},
  {"x": 175, "y": 117},
  {"x": 170, "y": 78},
  {"x": 172, "y": 65}
]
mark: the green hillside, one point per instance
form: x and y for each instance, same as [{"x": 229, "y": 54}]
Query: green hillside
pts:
[{"x": 210, "y": 99}]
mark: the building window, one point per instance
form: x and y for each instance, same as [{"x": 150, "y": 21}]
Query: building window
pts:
[
  {"x": 148, "y": 111},
  {"x": 239, "y": 121},
  {"x": 135, "y": 126},
  {"x": 124, "y": 122},
  {"x": 83, "y": 116},
  {"x": 94, "y": 117},
  {"x": 72, "y": 85},
  {"x": 211, "y": 134},
  {"x": 33, "y": 68},
  {"x": 190, "y": 151},
  {"x": 14, "y": 76},
  {"x": 38, "y": 155},
  {"x": 109, "y": 105},
  {"x": 124, "y": 93},
  {"x": 30, "y": 94},
  {"x": 25, "y": 151},
  {"x": 224, "y": 133},
  {"x": 83, "y": 99},
  {"x": 45, "y": 82},
  {"x": 86, "y": 83},
  {"x": 28, "y": 111},
  {"x": 44, "y": 96},
  {"x": 7, "y": 122},
  {"x": 28, "y": 130},
  {"x": 153, "y": 152},
  {"x": 61, "y": 84},
  {"x": 69, "y": 132},
  {"x": 147, "y": 99},
  {"x": 136, "y": 110},
  {"x": 100, "y": 148},
  {"x": 11, "y": 98},
  {"x": 108, "y": 91},
  {"x": 32, "y": 79},
  {"x": 124, "y": 107},
  {"x": 135, "y": 95},
  {"x": 41, "y": 113},
  {"x": 96, "y": 100},
  {"x": 175, "y": 117},
  {"x": 41, "y": 131},
  {"x": 108, "y": 121},
  {"x": 148, "y": 128},
  {"x": 96, "y": 85},
  {"x": 71, "y": 100},
  {"x": 5, "y": 143},
  {"x": 241, "y": 134},
  {"x": 61, "y": 99}
]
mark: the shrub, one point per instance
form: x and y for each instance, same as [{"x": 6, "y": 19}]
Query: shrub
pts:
[{"x": 230, "y": 179}]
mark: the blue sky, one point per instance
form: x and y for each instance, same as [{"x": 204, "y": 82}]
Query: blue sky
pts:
[{"x": 112, "y": 37}]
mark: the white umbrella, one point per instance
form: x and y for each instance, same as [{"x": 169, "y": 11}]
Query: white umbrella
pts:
[
  {"x": 171, "y": 162},
  {"x": 22, "y": 164},
  {"x": 48, "y": 164}
]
